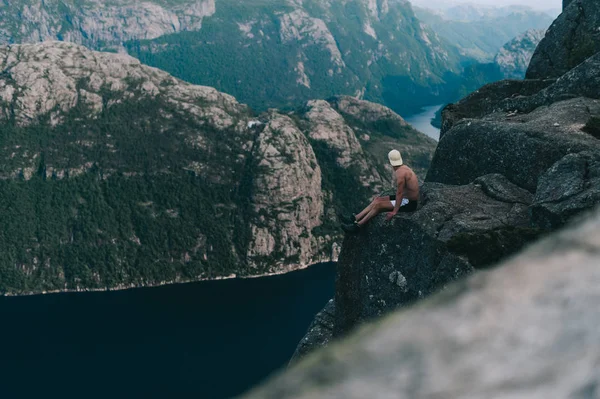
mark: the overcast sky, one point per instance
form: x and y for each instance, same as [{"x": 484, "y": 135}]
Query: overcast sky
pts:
[{"x": 539, "y": 4}]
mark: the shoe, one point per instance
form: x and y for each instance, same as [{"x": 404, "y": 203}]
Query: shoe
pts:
[{"x": 351, "y": 228}]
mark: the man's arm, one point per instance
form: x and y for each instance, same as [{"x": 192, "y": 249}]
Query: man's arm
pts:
[{"x": 399, "y": 196}]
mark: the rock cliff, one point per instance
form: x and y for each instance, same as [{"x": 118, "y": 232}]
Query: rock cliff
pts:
[
  {"x": 571, "y": 39},
  {"x": 99, "y": 24},
  {"x": 517, "y": 160},
  {"x": 527, "y": 329},
  {"x": 114, "y": 174}
]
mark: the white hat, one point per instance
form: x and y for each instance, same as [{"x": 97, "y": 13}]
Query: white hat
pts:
[{"x": 395, "y": 158}]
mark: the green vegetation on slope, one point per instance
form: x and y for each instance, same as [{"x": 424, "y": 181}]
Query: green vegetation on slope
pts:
[
  {"x": 139, "y": 218},
  {"x": 241, "y": 50}
]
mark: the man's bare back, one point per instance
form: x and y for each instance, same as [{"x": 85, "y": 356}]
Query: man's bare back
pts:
[{"x": 407, "y": 180}]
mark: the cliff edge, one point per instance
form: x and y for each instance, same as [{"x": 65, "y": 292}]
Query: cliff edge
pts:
[{"x": 517, "y": 161}]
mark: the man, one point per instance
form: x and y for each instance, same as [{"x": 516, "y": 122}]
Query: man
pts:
[{"x": 405, "y": 200}]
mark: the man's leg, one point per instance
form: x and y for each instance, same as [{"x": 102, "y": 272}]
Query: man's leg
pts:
[
  {"x": 378, "y": 207},
  {"x": 369, "y": 208}
]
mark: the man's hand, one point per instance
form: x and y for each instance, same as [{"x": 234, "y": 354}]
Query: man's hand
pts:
[{"x": 391, "y": 215}]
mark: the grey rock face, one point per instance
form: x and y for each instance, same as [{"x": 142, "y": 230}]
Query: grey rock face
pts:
[
  {"x": 570, "y": 186},
  {"x": 566, "y": 3},
  {"x": 504, "y": 143},
  {"x": 47, "y": 79},
  {"x": 287, "y": 199},
  {"x": 498, "y": 187},
  {"x": 522, "y": 97},
  {"x": 527, "y": 329},
  {"x": 96, "y": 23},
  {"x": 319, "y": 334},
  {"x": 489, "y": 99},
  {"x": 571, "y": 39}
]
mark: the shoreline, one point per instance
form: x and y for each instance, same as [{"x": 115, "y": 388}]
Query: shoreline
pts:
[{"x": 164, "y": 283}]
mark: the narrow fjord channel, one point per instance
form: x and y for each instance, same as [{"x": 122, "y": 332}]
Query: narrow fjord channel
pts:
[
  {"x": 422, "y": 121},
  {"x": 205, "y": 340}
]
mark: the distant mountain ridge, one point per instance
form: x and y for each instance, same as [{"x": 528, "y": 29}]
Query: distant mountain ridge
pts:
[
  {"x": 480, "y": 32},
  {"x": 477, "y": 12}
]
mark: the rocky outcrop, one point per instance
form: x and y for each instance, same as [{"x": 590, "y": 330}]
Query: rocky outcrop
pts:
[
  {"x": 50, "y": 79},
  {"x": 171, "y": 182},
  {"x": 569, "y": 187},
  {"x": 514, "y": 57},
  {"x": 516, "y": 161},
  {"x": 326, "y": 125},
  {"x": 527, "y": 329},
  {"x": 503, "y": 143},
  {"x": 287, "y": 200},
  {"x": 489, "y": 99},
  {"x": 99, "y": 24},
  {"x": 456, "y": 231},
  {"x": 571, "y": 39}
]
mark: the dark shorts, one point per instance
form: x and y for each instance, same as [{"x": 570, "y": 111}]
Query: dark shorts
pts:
[{"x": 411, "y": 206}]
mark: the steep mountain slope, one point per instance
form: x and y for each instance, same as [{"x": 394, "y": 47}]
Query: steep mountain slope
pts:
[
  {"x": 281, "y": 53},
  {"x": 514, "y": 57},
  {"x": 267, "y": 53},
  {"x": 114, "y": 174},
  {"x": 567, "y": 44},
  {"x": 99, "y": 24}
]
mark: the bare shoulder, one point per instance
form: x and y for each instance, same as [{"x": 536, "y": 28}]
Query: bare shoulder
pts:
[{"x": 400, "y": 173}]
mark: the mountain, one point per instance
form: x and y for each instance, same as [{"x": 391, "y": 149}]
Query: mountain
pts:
[
  {"x": 281, "y": 54},
  {"x": 115, "y": 174},
  {"x": 514, "y": 57},
  {"x": 511, "y": 62},
  {"x": 99, "y": 24},
  {"x": 277, "y": 54},
  {"x": 481, "y": 32},
  {"x": 267, "y": 53}
]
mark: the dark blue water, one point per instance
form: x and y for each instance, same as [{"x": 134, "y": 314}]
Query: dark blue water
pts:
[{"x": 203, "y": 340}]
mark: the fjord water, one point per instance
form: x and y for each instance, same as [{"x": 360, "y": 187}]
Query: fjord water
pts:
[
  {"x": 205, "y": 340},
  {"x": 422, "y": 121}
]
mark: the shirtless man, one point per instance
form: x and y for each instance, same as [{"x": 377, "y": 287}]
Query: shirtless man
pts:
[{"x": 405, "y": 200}]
